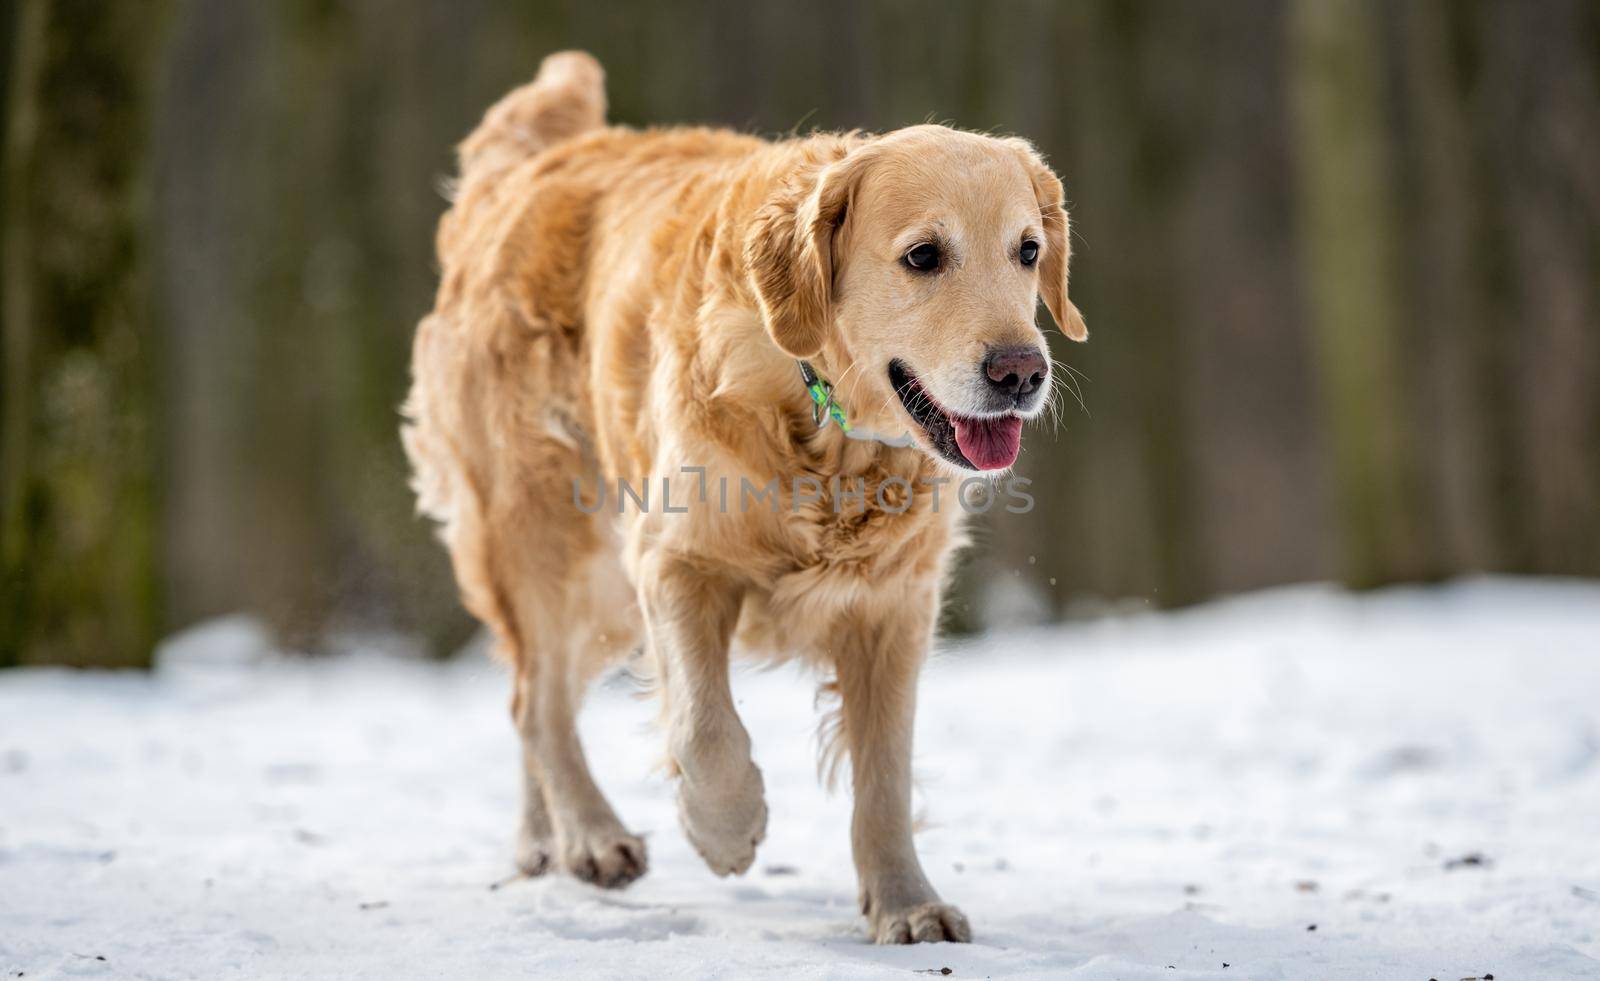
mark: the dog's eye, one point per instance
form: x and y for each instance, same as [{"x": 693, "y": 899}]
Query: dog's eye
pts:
[
  {"x": 1029, "y": 253},
  {"x": 923, "y": 258}
]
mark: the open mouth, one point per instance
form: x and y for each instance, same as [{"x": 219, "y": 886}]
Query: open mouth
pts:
[{"x": 976, "y": 444}]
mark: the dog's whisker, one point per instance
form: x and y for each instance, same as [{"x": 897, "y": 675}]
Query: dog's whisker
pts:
[
  {"x": 1067, "y": 378},
  {"x": 1069, "y": 368},
  {"x": 844, "y": 378},
  {"x": 900, "y": 391}
]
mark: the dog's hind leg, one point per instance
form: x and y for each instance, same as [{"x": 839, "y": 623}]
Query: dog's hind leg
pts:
[
  {"x": 566, "y": 818},
  {"x": 536, "y": 836},
  {"x": 547, "y": 627}
]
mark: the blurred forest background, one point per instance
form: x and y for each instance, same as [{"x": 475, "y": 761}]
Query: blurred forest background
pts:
[{"x": 1340, "y": 258}]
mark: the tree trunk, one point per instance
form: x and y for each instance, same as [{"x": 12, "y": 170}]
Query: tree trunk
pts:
[
  {"x": 1347, "y": 231},
  {"x": 80, "y": 575}
]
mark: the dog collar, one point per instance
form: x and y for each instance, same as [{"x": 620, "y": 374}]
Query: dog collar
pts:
[{"x": 823, "y": 407}]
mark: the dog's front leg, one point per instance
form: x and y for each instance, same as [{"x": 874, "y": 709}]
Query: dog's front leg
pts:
[
  {"x": 877, "y": 663},
  {"x": 690, "y": 613}
]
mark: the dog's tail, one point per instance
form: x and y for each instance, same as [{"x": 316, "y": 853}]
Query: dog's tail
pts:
[{"x": 566, "y": 98}]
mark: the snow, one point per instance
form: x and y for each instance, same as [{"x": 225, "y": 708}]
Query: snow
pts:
[{"x": 1415, "y": 773}]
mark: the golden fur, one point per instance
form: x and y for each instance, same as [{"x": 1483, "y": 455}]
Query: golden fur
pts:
[{"x": 620, "y": 303}]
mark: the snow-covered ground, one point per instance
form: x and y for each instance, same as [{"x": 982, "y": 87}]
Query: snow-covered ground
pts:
[{"x": 1298, "y": 784}]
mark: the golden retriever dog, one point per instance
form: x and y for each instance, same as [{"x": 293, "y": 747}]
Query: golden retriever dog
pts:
[{"x": 793, "y": 346}]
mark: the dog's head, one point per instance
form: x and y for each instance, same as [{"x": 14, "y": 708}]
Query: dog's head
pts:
[{"x": 916, "y": 262}]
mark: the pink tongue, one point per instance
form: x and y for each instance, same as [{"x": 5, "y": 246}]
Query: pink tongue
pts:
[{"x": 989, "y": 444}]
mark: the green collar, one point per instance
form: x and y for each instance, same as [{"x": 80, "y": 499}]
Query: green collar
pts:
[{"x": 823, "y": 407}]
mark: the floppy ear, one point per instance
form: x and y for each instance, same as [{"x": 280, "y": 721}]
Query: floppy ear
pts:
[
  {"x": 1057, "y": 245},
  {"x": 789, "y": 254}
]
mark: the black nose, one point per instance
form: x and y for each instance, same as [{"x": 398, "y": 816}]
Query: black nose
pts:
[{"x": 1016, "y": 370}]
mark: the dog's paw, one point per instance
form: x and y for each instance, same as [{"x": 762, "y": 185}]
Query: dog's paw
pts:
[
  {"x": 725, "y": 823},
  {"x": 607, "y": 857},
  {"x": 931, "y": 922},
  {"x": 535, "y": 853}
]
